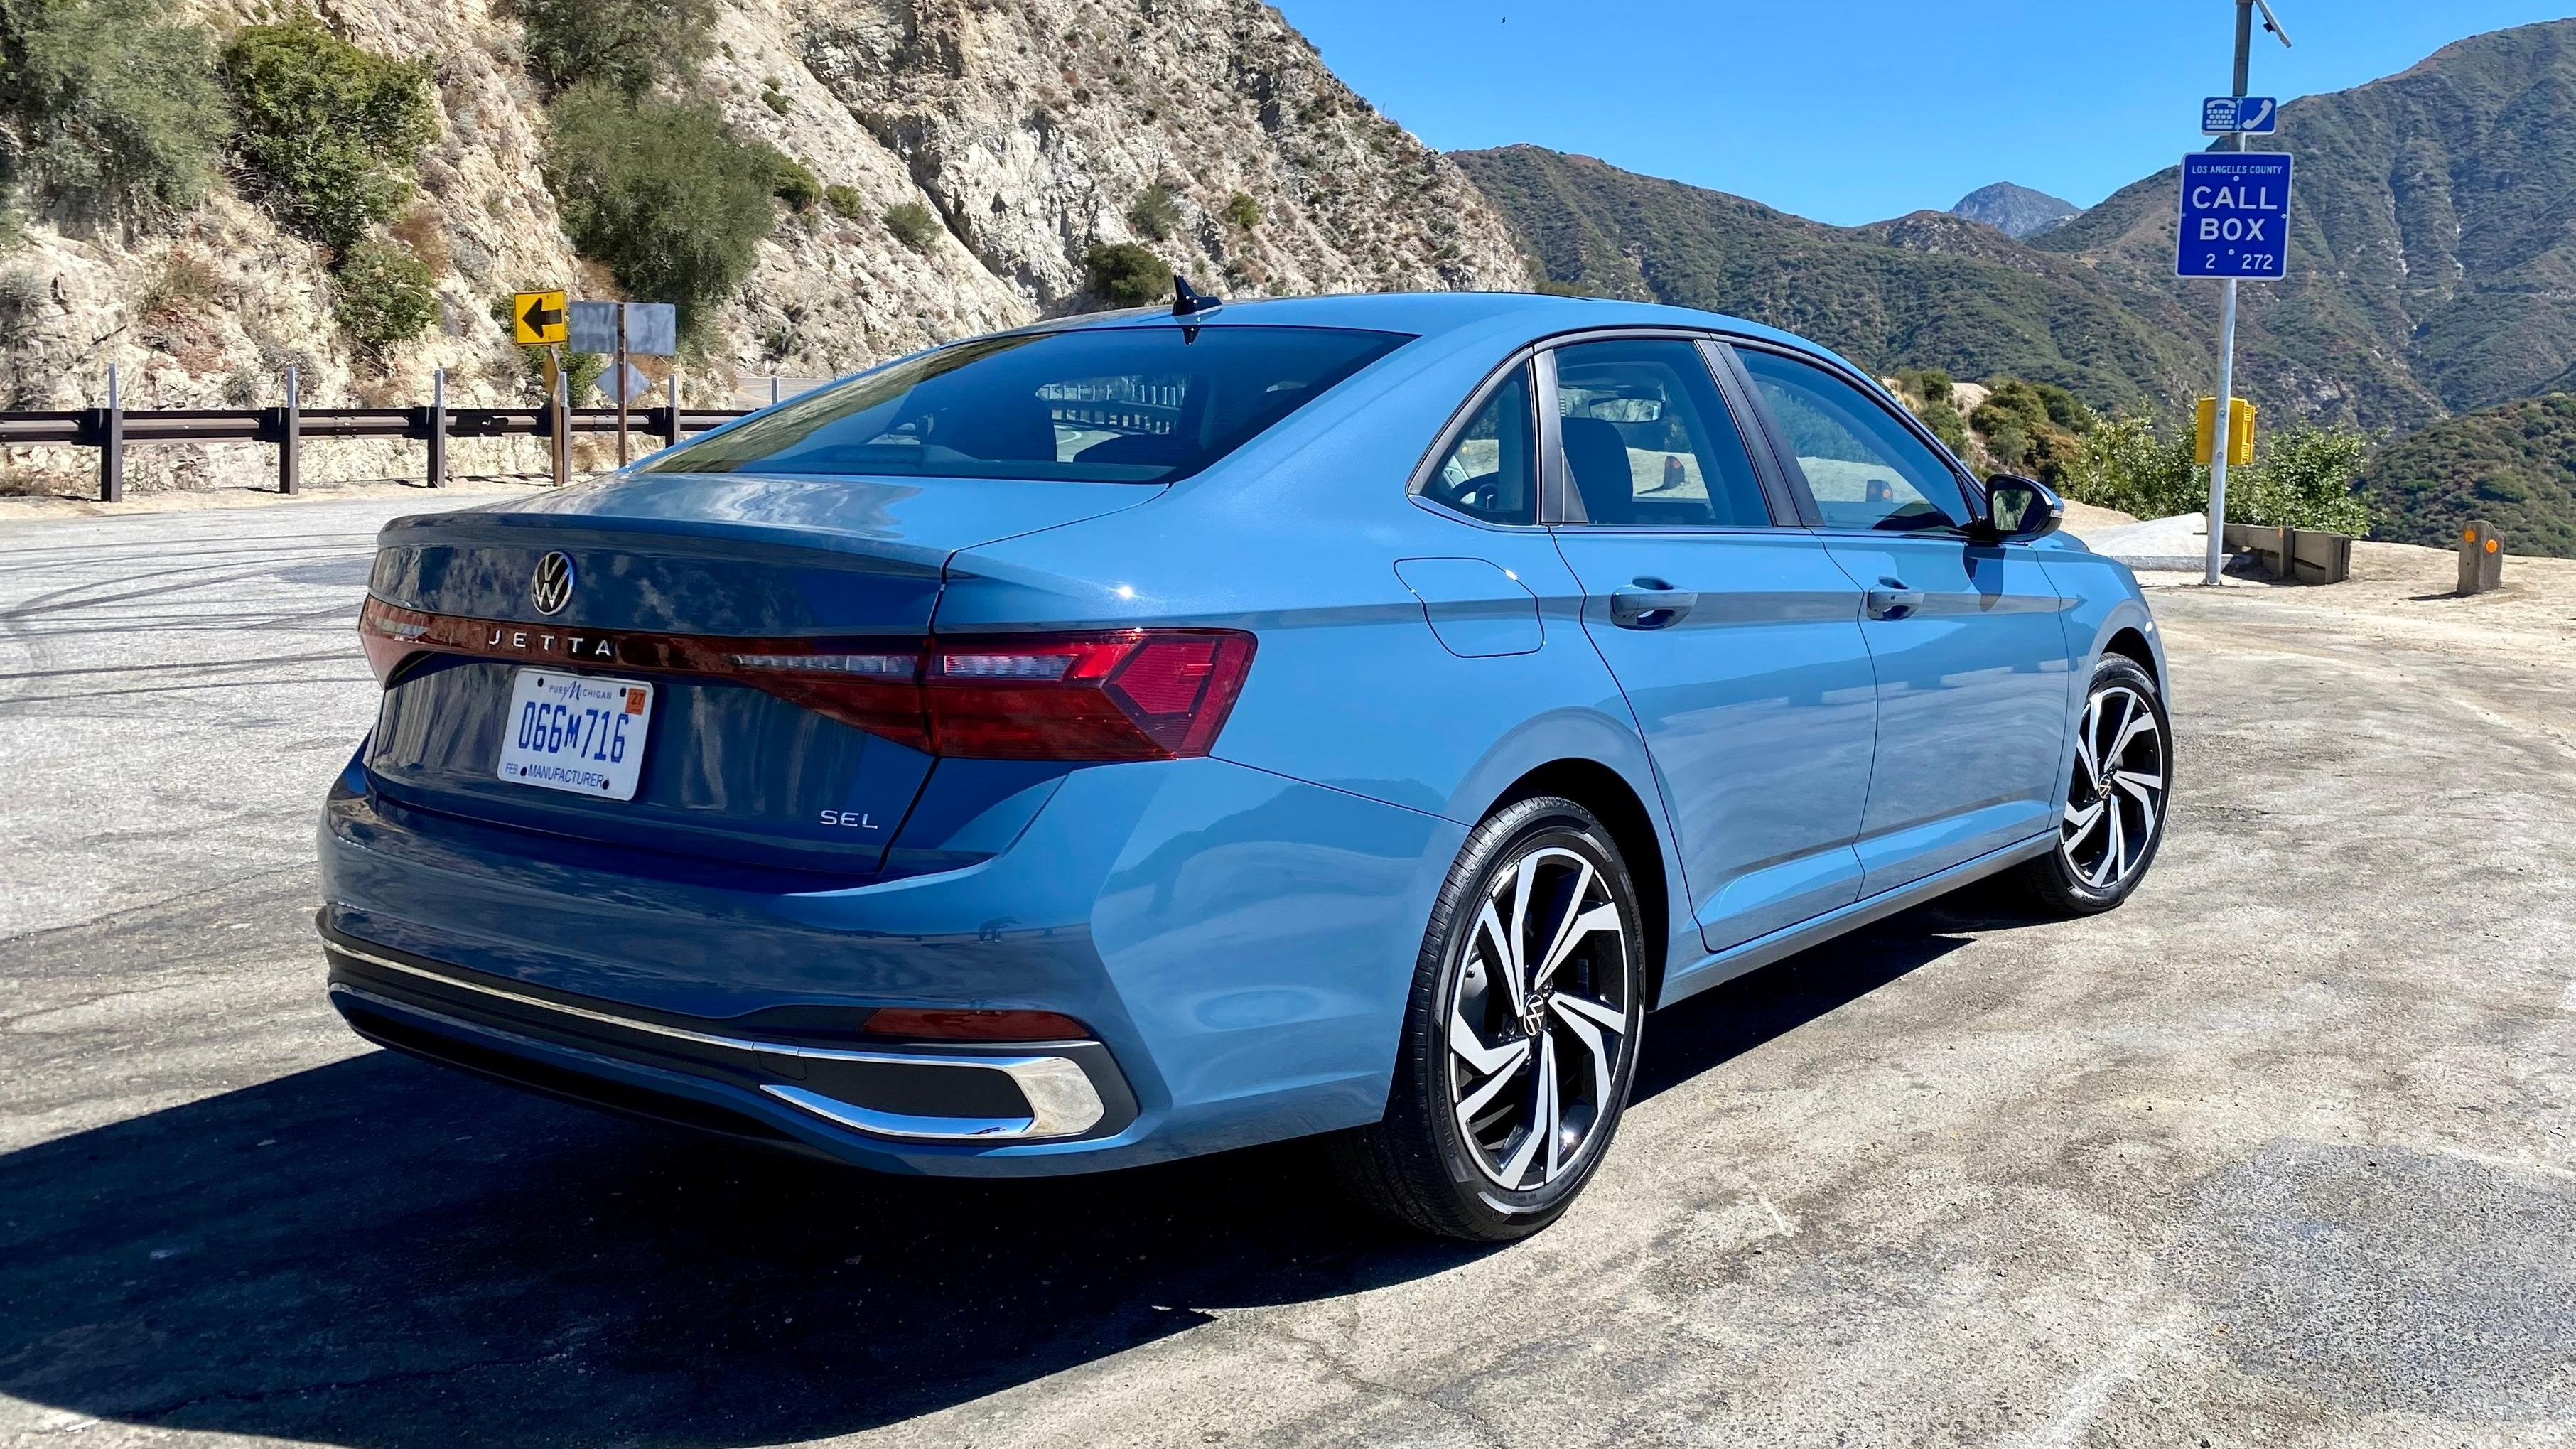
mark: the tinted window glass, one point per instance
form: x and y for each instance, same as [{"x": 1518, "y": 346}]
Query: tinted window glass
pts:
[
  {"x": 1865, "y": 469},
  {"x": 1648, "y": 442},
  {"x": 1113, "y": 405},
  {"x": 1492, "y": 470}
]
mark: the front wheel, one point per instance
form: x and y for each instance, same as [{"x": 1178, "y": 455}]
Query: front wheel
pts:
[
  {"x": 1521, "y": 1038},
  {"x": 2116, "y": 798}
]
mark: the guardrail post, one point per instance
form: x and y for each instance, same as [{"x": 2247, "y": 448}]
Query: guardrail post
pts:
[
  {"x": 671, "y": 415},
  {"x": 111, "y": 444},
  {"x": 290, "y": 444},
  {"x": 438, "y": 428}
]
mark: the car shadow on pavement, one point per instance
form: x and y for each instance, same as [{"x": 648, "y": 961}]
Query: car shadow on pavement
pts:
[{"x": 381, "y": 1253}]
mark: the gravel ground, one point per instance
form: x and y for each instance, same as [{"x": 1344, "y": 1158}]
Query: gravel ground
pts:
[{"x": 2282, "y": 1153}]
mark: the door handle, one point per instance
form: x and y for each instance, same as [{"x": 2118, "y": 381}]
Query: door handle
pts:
[
  {"x": 1893, "y": 600},
  {"x": 1649, "y": 604}
]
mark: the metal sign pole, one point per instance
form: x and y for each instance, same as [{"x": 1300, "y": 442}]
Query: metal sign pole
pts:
[
  {"x": 622, "y": 388},
  {"x": 2225, "y": 418},
  {"x": 562, "y": 404}
]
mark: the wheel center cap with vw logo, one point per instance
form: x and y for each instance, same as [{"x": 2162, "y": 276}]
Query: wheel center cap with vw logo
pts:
[{"x": 551, "y": 588}]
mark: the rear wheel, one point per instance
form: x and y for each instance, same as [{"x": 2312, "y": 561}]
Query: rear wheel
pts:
[
  {"x": 1521, "y": 1038},
  {"x": 2114, "y": 815}
]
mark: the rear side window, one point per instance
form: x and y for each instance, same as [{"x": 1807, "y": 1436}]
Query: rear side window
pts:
[
  {"x": 1094, "y": 405},
  {"x": 1648, "y": 442},
  {"x": 1491, "y": 472}
]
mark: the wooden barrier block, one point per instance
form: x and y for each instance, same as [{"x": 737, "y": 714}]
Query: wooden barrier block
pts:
[{"x": 2481, "y": 559}]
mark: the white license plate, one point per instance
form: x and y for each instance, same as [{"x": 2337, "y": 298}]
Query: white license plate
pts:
[{"x": 576, "y": 732}]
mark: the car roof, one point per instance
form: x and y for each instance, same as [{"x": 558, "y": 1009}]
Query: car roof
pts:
[{"x": 1434, "y": 314}]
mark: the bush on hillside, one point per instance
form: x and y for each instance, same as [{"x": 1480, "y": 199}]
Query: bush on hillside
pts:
[
  {"x": 1123, "y": 274},
  {"x": 1157, "y": 212},
  {"x": 329, "y": 133},
  {"x": 2304, "y": 477},
  {"x": 792, "y": 182},
  {"x": 845, "y": 202},
  {"x": 663, "y": 193},
  {"x": 1241, "y": 212},
  {"x": 115, "y": 104},
  {"x": 382, "y": 295},
  {"x": 1945, "y": 423},
  {"x": 624, "y": 44},
  {"x": 913, "y": 225},
  {"x": 2128, "y": 463}
]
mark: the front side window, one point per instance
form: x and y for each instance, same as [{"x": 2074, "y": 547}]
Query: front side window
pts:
[
  {"x": 1096, "y": 405},
  {"x": 1648, "y": 441},
  {"x": 1864, "y": 468},
  {"x": 1491, "y": 472}
]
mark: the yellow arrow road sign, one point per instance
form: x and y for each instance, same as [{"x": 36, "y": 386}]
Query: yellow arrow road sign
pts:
[{"x": 538, "y": 317}]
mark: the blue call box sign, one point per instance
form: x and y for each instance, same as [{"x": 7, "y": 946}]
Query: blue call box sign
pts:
[
  {"x": 2228, "y": 115},
  {"x": 2235, "y": 215}
]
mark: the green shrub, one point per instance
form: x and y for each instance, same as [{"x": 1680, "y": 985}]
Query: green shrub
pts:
[
  {"x": 1241, "y": 212},
  {"x": 912, "y": 225},
  {"x": 624, "y": 44},
  {"x": 2128, "y": 463},
  {"x": 1945, "y": 423},
  {"x": 792, "y": 183},
  {"x": 382, "y": 294},
  {"x": 115, "y": 104},
  {"x": 329, "y": 132},
  {"x": 1157, "y": 213},
  {"x": 1124, "y": 274},
  {"x": 774, "y": 98},
  {"x": 845, "y": 201},
  {"x": 2303, "y": 478},
  {"x": 661, "y": 192}
]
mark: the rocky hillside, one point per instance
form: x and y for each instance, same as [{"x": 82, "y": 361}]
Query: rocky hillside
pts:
[
  {"x": 2016, "y": 211},
  {"x": 1028, "y": 131}
]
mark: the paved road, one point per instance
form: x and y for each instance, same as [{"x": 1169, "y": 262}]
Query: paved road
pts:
[{"x": 2280, "y": 1154}]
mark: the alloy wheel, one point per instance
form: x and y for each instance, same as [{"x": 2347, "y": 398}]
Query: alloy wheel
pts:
[
  {"x": 1540, "y": 1019},
  {"x": 2117, "y": 797}
]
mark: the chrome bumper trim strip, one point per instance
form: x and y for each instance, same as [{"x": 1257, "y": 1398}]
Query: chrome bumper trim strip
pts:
[{"x": 1062, "y": 1100}]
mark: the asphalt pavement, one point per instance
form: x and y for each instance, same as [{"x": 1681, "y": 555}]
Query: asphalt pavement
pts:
[{"x": 2281, "y": 1153}]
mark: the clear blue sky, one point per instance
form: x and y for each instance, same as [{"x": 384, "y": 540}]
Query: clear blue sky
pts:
[{"x": 1856, "y": 110}]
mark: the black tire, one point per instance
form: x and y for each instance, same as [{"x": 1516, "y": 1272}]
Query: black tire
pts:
[
  {"x": 1420, "y": 1165},
  {"x": 2068, "y": 880}
]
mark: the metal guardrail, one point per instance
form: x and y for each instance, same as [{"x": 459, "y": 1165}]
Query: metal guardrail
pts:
[{"x": 111, "y": 429}]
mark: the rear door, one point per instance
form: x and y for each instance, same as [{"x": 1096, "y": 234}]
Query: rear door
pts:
[
  {"x": 1971, "y": 653},
  {"x": 1733, "y": 634}
]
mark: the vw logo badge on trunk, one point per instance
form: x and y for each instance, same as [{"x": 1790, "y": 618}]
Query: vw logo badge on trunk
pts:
[{"x": 551, "y": 589}]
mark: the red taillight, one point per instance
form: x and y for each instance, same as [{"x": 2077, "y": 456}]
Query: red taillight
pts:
[
  {"x": 946, "y": 1024},
  {"x": 390, "y": 635},
  {"x": 1142, "y": 694},
  {"x": 1136, "y": 694}
]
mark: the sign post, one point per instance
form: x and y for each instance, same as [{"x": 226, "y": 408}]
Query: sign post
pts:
[
  {"x": 2234, "y": 226},
  {"x": 621, "y": 330}
]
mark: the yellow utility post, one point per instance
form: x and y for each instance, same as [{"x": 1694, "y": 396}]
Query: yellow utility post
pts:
[{"x": 2240, "y": 433}]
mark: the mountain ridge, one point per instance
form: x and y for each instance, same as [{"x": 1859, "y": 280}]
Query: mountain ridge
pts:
[{"x": 2017, "y": 211}]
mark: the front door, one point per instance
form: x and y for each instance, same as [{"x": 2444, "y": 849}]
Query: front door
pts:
[
  {"x": 1975, "y": 678},
  {"x": 1736, "y": 639}
]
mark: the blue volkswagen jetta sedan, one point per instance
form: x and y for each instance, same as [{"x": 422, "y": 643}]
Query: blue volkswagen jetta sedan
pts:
[{"x": 1146, "y": 735}]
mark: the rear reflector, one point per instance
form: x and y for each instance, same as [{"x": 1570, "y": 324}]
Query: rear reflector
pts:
[
  {"x": 1135, "y": 694},
  {"x": 942, "y": 1024}
]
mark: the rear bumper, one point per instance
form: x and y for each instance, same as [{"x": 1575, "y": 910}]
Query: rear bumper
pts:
[{"x": 1241, "y": 946}]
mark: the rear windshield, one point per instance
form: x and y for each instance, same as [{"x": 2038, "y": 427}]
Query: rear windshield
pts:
[{"x": 1096, "y": 405}]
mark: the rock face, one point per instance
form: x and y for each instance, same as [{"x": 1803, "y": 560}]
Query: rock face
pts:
[
  {"x": 1030, "y": 128},
  {"x": 2016, "y": 211}
]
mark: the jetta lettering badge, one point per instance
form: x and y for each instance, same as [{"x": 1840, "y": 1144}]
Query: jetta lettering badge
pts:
[{"x": 551, "y": 589}]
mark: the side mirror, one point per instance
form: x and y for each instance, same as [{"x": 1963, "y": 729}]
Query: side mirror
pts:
[{"x": 2019, "y": 509}]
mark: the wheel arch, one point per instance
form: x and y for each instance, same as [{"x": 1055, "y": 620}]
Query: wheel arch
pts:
[
  {"x": 1632, "y": 826},
  {"x": 2130, "y": 642}
]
